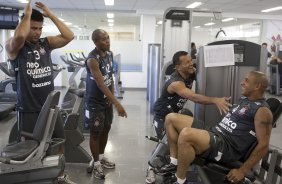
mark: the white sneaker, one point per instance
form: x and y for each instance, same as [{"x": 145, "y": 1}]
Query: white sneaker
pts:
[
  {"x": 107, "y": 164},
  {"x": 150, "y": 177},
  {"x": 65, "y": 180},
  {"x": 99, "y": 172}
]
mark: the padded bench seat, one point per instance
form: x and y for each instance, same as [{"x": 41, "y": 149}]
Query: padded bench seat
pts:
[{"x": 19, "y": 151}]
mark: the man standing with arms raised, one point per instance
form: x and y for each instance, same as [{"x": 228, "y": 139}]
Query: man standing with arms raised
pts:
[{"x": 31, "y": 57}]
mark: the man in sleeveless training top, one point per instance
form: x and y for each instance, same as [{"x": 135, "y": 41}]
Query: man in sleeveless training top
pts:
[
  {"x": 175, "y": 92},
  {"x": 99, "y": 100},
  {"x": 247, "y": 121},
  {"x": 31, "y": 57}
]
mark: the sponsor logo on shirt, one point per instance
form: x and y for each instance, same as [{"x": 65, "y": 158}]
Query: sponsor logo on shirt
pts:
[
  {"x": 37, "y": 71},
  {"x": 34, "y": 70},
  {"x": 96, "y": 123},
  {"x": 181, "y": 102},
  {"x": 39, "y": 85},
  {"x": 42, "y": 51},
  {"x": 243, "y": 111},
  {"x": 228, "y": 124},
  {"x": 253, "y": 133}
]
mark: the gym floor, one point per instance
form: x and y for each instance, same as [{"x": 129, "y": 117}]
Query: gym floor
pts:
[{"x": 127, "y": 145}]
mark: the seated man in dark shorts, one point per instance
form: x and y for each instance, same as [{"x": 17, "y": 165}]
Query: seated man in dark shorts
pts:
[{"x": 248, "y": 121}]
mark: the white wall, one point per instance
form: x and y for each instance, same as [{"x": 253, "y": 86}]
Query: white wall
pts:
[
  {"x": 201, "y": 37},
  {"x": 147, "y": 36},
  {"x": 130, "y": 51},
  {"x": 270, "y": 28},
  {"x": 158, "y": 34}
]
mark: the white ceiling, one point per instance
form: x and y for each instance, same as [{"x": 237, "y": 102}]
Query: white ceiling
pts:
[{"x": 92, "y": 13}]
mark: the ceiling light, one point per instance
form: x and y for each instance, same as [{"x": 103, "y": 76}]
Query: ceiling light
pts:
[
  {"x": 111, "y": 24},
  {"x": 272, "y": 9},
  {"x": 110, "y": 15},
  {"x": 227, "y": 19},
  {"x": 61, "y": 19},
  {"x": 209, "y": 24},
  {"x": 194, "y": 5},
  {"x": 160, "y": 22},
  {"x": 111, "y": 20},
  {"x": 109, "y": 2},
  {"x": 68, "y": 23},
  {"x": 23, "y": 1},
  {"x": 197, "y": 27}
]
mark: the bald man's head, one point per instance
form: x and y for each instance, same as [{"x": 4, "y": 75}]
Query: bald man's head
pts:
[
  {"x": 260, "y": 78},
  {"x": 96, "y": 35}
]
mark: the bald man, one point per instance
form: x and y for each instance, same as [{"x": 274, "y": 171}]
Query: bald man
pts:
[
  {"x": 248, "y": 121},
  {"x": 99, "y": 100}
]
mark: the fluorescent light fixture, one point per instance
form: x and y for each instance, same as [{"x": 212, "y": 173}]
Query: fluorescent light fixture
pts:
[
  {"x": 23, "y": 1},
  {"x": 62, "y": 19},
  {"x": 111, "y": 24},
  {"x": 272, "y": 9},
  {"x": 160, "y": 22},
  {"x": 194, "y": 5},
  {"x": 109, "y": 2},
  {"x": 227, "y": 19},
  {"x": 68, "y": 23},
  {"x": 209, "y": 24},
  {"x": 196, "y": 27},
  {"x": 111, "y": 20},
  {"x": 110, "y": 15}
]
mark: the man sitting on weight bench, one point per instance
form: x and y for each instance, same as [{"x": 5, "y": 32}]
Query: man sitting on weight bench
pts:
[{"x": 248, "y": 121}]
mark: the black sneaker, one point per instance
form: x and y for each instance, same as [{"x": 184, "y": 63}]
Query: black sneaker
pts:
[
  {"x": 168, "y": 168},
  {"x": 169, "y": 179},
  {"x": 90, "y": 167}
]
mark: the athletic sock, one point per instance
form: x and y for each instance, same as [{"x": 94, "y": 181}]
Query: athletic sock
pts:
[
  {"x": 101, "y": 156},
  {"x": 173, "y": 161},
  {"x": 63, "y": 176},
  {"x": 97, "y": 163},
  {"x": 180, "y": 181}
]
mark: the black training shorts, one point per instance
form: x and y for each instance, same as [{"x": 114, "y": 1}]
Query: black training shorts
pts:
[
  {"x": 96, "y": 120},
  {"x": 217, "y": 145}
]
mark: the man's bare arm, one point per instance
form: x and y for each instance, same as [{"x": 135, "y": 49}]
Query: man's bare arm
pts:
[
  {"x": 179, "y": 88},
  {"x": 66, "y": 34},
  {"x": 14, "y": 44},
  {"x": 97, "y": 75},
  {"x": 263, "y": 125}
]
